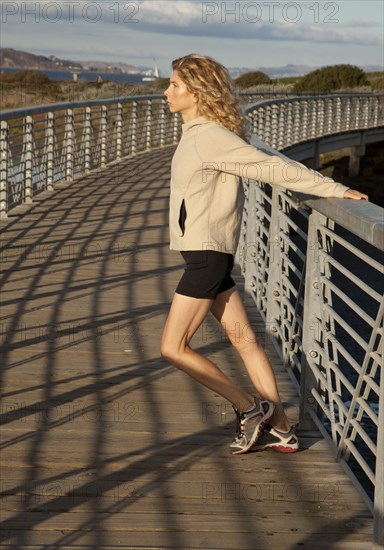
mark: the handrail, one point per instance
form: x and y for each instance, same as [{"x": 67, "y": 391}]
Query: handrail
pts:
[
  {"x": 324, "y": 96},
  {"x": 10, "y": 114},
  {"x": 365, "y": 220}
]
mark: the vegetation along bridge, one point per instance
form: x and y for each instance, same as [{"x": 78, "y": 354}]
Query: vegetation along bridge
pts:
[{"x": 105, "y": 445}]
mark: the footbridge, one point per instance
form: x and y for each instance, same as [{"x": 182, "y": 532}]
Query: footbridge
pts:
[{"x": 104, "y": 445}]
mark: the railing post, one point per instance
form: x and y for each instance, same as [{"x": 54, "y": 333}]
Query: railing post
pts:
[
  {"x": 320, "y": 107},
  {"x": 68, "y": 145},
  {"x": 281, "y": 127},
  {"x": 268, "y": 129},
  {"x": 289, "y": 125},
  {"x": 365, "y": 113},
  {"x": 314, "y": 118},
  {"x": 28, "y": 158},
  {"x": 50, "y": 144},
  {"x": 260, "y": 119},
  {"x": 119, "y": 126},
  {"x": 337, "y": 122},
  {"x": 175, "y": 128},
  {"x": 346, "y": 113},
  {"x": 134, "y": 128},
  {"x": 357, "y": 113},
  {"x": 162, "y": 123},
  {"x": 251, "y": 124},
  {"x": 378, "y": 501},
  {"x": 274, "y": 126},
  {"x": 304, "y": 131},
  {"x": 148, "y": 124},
  {"x": 296, "y": 135},
  {"x": 239, "y": 257},
  {"x": 274, "y": 270},
  {"x": 4, "y": 168},
  {"x": 103, "y": 136},
  {"x": 375, "y": 111},
  {"x": 246, "y": 256},
  {"x": 311, "y": 324},
  {"x": 328, "y": 116},
  {"x": 87, "y": 141}
]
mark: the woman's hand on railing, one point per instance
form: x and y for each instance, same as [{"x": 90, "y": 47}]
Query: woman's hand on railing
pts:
[{"x": 355, "y": 195}]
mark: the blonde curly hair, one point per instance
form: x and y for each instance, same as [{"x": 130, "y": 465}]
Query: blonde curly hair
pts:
[{"x": 214, "y": 88}]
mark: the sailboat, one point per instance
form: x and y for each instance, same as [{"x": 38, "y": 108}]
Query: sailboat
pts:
[{"x": 150, "y": 76}]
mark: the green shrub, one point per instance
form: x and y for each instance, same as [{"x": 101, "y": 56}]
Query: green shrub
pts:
[
  {"x": 376, "y": 81},
  {"x": 332, "y": 78},
  {"x": 161, "y": 83},
  {"x": 254, "y": 78},
  {"x": 26, "y": 77}
]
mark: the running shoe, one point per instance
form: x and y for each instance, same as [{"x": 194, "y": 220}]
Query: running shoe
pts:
[
  {"x": 250, "y": 425},
  {"x": 280, "y": 442}
]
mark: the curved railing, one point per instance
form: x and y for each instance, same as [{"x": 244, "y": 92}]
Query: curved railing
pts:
[
  {"x": 284, "y": 122},
  {"x": 40, "y": 146},
  {"x": 314, "y": 269},
  {"x": 312, "y": 266}
]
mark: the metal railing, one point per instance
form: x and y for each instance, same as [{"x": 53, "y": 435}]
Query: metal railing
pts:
[
  {"x": 313, "y": 267},
  {"x": 41, "y": 146},
  {"x": 284, "y": 122},
  {"x": 315, "y": 271}
]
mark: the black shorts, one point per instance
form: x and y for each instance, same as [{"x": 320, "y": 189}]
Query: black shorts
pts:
[{"x": 207, "y": 274}]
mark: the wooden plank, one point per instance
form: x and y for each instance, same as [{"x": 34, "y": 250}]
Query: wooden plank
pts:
[
  {"x": 162, "y": 521},
  {"x": 260, "y": 500},
  {"x": 187, "y": 541}
]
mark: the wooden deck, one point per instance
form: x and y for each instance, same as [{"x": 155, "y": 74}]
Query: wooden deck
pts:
[{"x": 105, "y": 445}]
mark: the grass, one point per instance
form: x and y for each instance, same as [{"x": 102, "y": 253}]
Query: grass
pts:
[
  {"x": 16, "y": 94},
  {"x": 29, "y": 88},
  {"x": 376, "y": 81}
]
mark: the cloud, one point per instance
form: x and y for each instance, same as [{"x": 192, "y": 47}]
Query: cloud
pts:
[
  {"x": 178, "y": 14},
  {"x": 360, "y": 24},
  {"x": 248, "y": 20},
  {"x": 261, "y": 20}
]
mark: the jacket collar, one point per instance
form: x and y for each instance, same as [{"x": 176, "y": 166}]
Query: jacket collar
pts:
[{"x": 194, "y": 122}]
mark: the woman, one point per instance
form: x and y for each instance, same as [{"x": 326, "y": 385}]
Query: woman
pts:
[{"x": 205, "y": 215}]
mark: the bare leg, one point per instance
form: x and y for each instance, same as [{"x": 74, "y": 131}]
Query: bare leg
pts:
[
  {"x": 229, "y": 310},
  {"x": 185, "y": 317}
]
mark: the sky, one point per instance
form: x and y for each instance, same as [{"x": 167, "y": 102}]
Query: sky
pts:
[{"x": 264, "y": 33}]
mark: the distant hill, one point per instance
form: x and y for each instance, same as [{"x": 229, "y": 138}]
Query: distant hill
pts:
[
  {"x": 15, "y": 59},
  {"x": 274, "y": 72},
  {"x": 105, "y": 67}
]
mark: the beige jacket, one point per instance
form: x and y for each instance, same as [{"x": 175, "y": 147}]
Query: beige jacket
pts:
[{"x": 207, "y": 195}]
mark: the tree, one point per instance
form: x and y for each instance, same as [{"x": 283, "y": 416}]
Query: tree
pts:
[
  {"x": 253, "y": 78},
  {"x": 332, "y": 78}
]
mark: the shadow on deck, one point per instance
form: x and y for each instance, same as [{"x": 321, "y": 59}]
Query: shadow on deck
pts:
[{"x": 104, "y": 445}]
